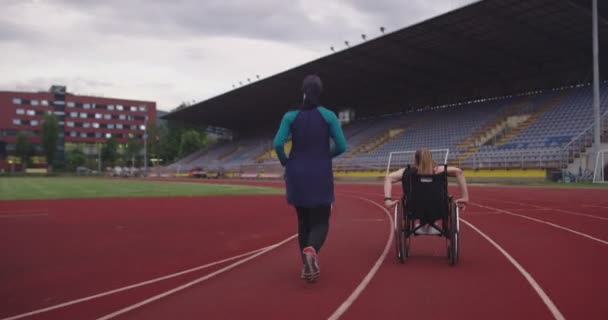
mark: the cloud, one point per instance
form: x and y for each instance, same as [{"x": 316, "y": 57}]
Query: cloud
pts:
[{"x": 182, "y": 50}]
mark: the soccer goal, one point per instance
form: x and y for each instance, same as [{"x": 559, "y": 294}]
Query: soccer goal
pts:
[
  {"x": 599, "y": 172},
  {"x": 400, "y": 159}
]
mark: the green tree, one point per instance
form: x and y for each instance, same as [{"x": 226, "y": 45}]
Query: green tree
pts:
[
  {"x": 75, "y": 158},
  {"x": 49, "y": 138},
  {"x": 191, "y": 141},
  {"x": 23, "y": 147},
  {"x": 109, "y": 152},
  {"x": 132, "y": 150}
]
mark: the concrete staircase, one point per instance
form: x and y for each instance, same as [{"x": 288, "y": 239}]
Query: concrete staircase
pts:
[
  {"x": 514, "y": 131},
  {"x": 378, "y": 141}
]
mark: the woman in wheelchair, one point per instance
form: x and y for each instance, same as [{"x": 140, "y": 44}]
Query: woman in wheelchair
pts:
[{"x": 424, "y": 165}]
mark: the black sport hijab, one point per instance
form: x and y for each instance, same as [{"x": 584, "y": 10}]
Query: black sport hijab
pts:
[{"x": 312, "y": 88}]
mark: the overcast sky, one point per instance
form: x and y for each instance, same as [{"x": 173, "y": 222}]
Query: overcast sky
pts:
[{"x": 171, "y": 51}]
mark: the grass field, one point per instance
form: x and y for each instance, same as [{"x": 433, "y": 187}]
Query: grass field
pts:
[{"x": 58, "y": 188}]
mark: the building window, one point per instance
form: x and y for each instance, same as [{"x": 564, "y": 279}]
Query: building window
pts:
[
  {"x": 34, "y": 123},
  {"x": 86, "y": 106},
  {"x": 74, "y": 114},
  {"x": 59, "y": 102},
  {"x": 83, "y": 115},
  {"x": 31, "y": 112},
  {"x": 34, "y": 102},
  {"x": 20, "y": 111},
  {"x": 83, "y": 134},
  {"x": 110, "y": 107},
  {"x": 133, "y": 127},
  {"x": 98, "y": 116},
  {"x": 133, "y": 108},
  {"x": 98, "y": 135},
  {"x": 142, "y": 127},
  {"x": 60, "y": 113},
  {"x": 44, "y": 102},
  {"x": 70, "y": 124},
  {"x": 71, "y": 104},
  {"x": 130, "y": 118},
  {"x": 119, "y": 107},
  {"x": 73, "y": 134},
  {"x": 107, "y": 116},
  {"x": 95, "y": 125},
  {"x": 17, "y": 121},
  {"x": 108, "y": 135},
  {"x": 119, "y": 126},
  {"x": 122, "y": 117},
  {"x": 110, "y": 126},
  {"x": 142, "y": 108},
  {"x": 16, "y": 101},
  {"x": 86, "y": 125}
]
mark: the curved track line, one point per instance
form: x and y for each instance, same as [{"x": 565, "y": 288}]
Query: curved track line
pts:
[
  {"x": 370, "y": 275},
  {"x": 542, "y": 221},
  {"x": 199, "y": 280},
  {"x": 133, "y": 286},
  {"x": 541, "y": 293},
  {"x": 553, "y": 209}
]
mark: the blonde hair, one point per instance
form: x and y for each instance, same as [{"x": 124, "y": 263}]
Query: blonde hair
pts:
[{"x": 424, "y": 162}]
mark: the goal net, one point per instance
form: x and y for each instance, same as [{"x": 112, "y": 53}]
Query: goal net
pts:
[
  {"x": 400, "y": 159},
  {"x": 600, "y": 170}
]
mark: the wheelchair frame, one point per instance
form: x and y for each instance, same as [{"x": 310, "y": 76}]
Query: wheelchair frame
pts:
[{"x": 405, "y": 227}]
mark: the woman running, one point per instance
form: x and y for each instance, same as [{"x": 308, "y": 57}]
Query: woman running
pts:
[{"x": 308, "y": 170}]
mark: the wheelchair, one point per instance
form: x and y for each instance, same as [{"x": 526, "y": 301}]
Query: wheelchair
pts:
[{"x": 426, "y": 198}]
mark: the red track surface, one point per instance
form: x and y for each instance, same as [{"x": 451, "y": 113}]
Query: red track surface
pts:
[{"x": 58, "y": 250}]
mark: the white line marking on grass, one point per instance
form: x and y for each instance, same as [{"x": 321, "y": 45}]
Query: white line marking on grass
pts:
[
  {"x": 541, "y": 293},
  {"x": 372, "y": 272},
  {"x": 553, "y": 209},
  {"x": 192, "y": 283},
  {"x": 133, "y": 286},
  {"x": 543, "y": 222}
]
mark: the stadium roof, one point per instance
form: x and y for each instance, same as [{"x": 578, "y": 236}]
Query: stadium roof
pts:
[{"x": 487, "y": 49}]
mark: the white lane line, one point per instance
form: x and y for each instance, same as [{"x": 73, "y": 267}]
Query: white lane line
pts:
[
  {"x": 554, "y": 209},
  {"x": 192, "y": 283},
  {"x": 370, "y": 275},
  {"x": 133, "y": 286},
  {"x": 541, "y": 293},
  {"x": 25, "y": 215},
  {"x": 543, "y": 222},
  {"x": 593, "y": 206}
]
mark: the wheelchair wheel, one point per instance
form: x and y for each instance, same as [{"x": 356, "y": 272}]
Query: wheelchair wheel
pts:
[
  {"x": 399, "y": 236},
  {"x": 454, "y": 234}
]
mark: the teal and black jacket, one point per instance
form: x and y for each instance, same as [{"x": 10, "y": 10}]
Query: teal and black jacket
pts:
[{"x": 308, "y": 169}]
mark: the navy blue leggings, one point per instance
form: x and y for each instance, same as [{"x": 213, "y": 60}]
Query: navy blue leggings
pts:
[{"x": 313, "y": 225}]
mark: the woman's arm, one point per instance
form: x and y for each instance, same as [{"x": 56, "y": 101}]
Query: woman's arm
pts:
[
  {"x": 462, "y": 184},
  {"x": 388, "y": 186},
  {"x": 335, "y": 130},
  {"x": 282, "y": 134}
]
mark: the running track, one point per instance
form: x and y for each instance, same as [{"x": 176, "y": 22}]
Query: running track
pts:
[{"x": 526, "y": 253}]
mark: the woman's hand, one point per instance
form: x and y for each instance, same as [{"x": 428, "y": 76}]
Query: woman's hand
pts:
[
  {"x": 462, "y": 203},
  {"x": 390, "y": 203}
]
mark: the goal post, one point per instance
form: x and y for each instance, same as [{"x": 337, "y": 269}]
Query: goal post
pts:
[
  {"x": 599, "y": 171},
  {"x": 400, "y": 159}
]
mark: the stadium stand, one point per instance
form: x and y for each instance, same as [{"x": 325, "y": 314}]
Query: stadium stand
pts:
[
  {"x": 547, "y": 123},
  {"x": 501, "y": 83}
]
